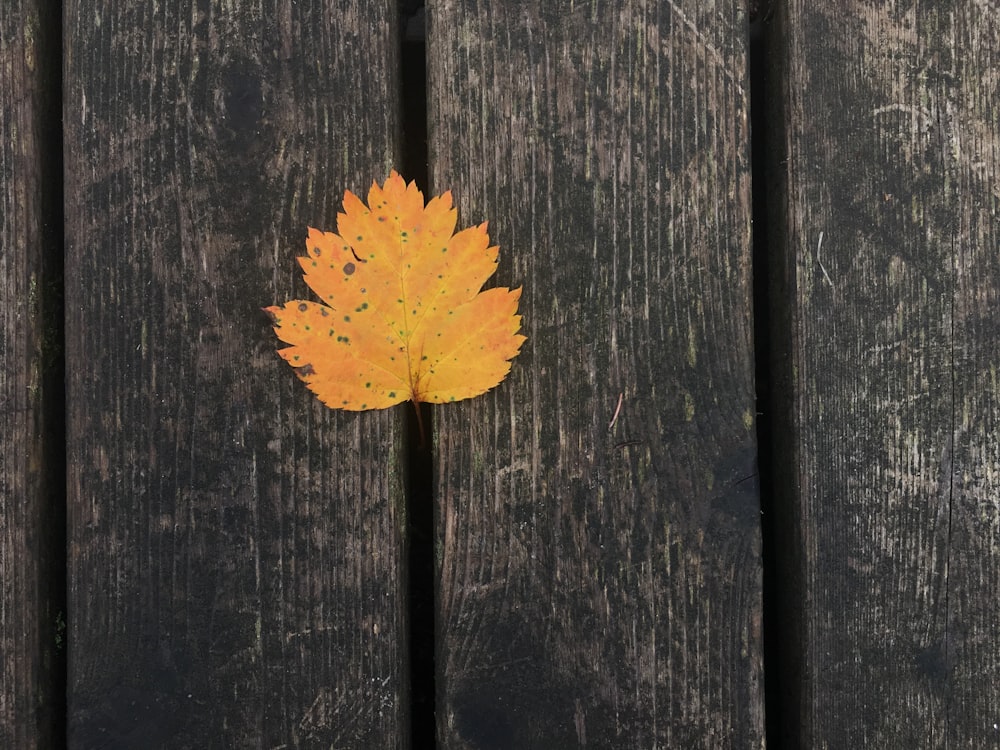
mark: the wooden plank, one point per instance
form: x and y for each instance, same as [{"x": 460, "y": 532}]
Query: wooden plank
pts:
[
  {"x": 886, "y": 252},
  {"x": 235, "y": 547},
  {"x": 32, "y": 657},
  {"x": 601, "y": 584}
]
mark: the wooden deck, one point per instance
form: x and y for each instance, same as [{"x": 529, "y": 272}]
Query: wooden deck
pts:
[{"x": 742, "y": 485}]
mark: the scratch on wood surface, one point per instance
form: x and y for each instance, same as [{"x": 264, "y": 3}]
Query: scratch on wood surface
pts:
[
  {"x": 819, "y": 249},
  {"x": 580, "y": 723},
  {"x": 618, "y": 409},
  {"x": 918, "y": 113},
  {"x": 710, "y": 48},
  {"x": 306, "y": 633}
]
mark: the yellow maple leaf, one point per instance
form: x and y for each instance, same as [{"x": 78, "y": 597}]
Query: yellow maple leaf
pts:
[{"x": 402, "y": 316}]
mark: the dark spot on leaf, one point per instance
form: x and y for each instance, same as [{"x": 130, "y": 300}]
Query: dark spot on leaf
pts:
[
  {"x": 303, "y": 307},
  {"x": 317, "y": 252},
  {"x": 348, "y": 269},
  {"x": 392, "y": 394},
  {"x": 347, "y": 318}
]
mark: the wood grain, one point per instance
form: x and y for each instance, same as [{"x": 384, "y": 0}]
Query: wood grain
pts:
[
  {"x": 600, "y": 585},
  {"x": 32, "y": 655},
  {"x": 235, "y": 548},
  {"x": 887, "y": 274}
]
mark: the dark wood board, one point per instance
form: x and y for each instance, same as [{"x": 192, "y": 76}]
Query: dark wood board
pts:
[
  {"x": 32, "y": 645},
  {"x": 236, "y": 552},
  {"x": 600, "y": 585},
  {"x": 886, "y": 283}
]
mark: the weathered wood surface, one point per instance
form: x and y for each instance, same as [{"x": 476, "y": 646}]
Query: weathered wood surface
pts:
[
  {"x": 235, "y": 547},
  {"x": 31, "y": 557},
  {"x": 888, "y": 255},
  {"x": 601, "y": 586}
]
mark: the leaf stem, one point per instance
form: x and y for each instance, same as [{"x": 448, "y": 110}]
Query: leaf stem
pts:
[{"x": 420, "y": 422}]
